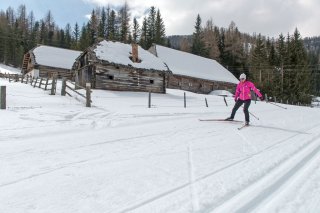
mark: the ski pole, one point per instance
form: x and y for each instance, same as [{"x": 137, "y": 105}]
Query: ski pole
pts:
[
  {"x": 277, "y": 105},
  {"x": 252, "y": 115}
]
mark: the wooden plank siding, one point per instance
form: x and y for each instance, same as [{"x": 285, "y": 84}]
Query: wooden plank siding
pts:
[
  {"x": 121, "y": 78},
  {"x": 197, "y": 85},
  {"x": 48, "y": 72}
]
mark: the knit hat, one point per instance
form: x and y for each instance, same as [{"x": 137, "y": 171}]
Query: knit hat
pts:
[{"x": 243, "y": 76}]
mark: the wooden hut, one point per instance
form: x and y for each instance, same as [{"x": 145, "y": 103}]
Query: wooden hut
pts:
[
  {"x": 194, "y": 73},
  {"x": 46, "y": 61},
  {"x": 122, "y": 67}
]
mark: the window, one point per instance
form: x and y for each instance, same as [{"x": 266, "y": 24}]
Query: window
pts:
[
  {"x": 110, "y": 77},
  {"x": 151, "y": 81}
]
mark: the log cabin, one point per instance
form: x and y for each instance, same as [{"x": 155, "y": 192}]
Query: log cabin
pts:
[
  {"x": 121, "y": 67},
  {"x": 46, "y": 61},
  {"x": 194, "y": 73}
]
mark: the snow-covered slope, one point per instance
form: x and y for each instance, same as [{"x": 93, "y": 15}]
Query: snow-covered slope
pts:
[
  {"x": 120, "y": 156},
  {"x": 8, "y": 69}
]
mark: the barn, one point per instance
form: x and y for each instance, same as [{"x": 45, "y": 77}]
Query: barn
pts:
[
  {"x": 46, "y": 61},
  {"x": 122, "y": 67},
  {"x": 194, "y": 73}
]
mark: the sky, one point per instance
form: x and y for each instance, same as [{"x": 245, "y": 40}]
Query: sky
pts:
[{"x": 268, "y": 17}]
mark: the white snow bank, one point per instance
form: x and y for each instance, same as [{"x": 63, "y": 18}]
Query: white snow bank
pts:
[
  {"x": 8, "y": 69},
  {"x": 221, "y": 93}
]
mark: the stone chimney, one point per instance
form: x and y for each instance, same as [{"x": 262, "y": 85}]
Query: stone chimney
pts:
[{"x": 135, "y": 56}]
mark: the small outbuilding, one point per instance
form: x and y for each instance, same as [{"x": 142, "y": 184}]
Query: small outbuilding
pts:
[
  {"x": 123, "y": 67},
  {"x": 194, "y": 73},
  {"x": 46, "y": 61}
]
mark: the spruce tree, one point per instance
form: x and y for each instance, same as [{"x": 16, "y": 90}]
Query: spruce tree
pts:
[
  {"x": 198, "y": 46},
  {"x": 124, "y": 16},
  {"x": 144, "y": 34},
  {"x": 135, "y": 31},
  {"x": 160, "y": 31},
  {"x": 102, "y": 24},
  {"x": 151, "y": 27}
]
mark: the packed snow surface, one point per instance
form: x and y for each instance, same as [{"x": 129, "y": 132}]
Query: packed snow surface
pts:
[{"x": 118, "y": 156}]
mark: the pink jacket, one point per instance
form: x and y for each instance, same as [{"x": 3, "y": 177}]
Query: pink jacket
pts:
[{"x": 243, "y": 91}]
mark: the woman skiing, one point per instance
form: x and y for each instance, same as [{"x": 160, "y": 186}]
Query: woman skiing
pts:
[{"x": 243, "y": 96}]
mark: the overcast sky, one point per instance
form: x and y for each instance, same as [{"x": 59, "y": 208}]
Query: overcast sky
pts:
[{"x": 268, "y": 17}]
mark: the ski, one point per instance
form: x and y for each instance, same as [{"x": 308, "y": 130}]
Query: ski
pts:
[
  {"x": 243, "y": 126},
  {"x": 220, "y": 120}
]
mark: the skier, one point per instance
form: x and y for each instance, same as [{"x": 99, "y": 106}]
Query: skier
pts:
[{"x": 243, "y": 96}]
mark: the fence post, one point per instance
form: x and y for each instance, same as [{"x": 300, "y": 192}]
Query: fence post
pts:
[
  {"x": 64, "y": 85},
  {"x": 27, "y": 79},
  {"x": 266, "y": 98},
  {"x": 35, "y": 83},
  {"x": 206, "y": 102},
  {"x": 3, "y": 97},
  {"x": 88, "y": 94},
  {"x": 16, "y": 77},
  {"x": 225, "y": 101},
  {"x": 149, "y": 100},
  {"x": 40, "y": 83},
  {"x": 185, "y": 101},
  {"x": 45, "y": 88},
  {"x": 53, "y": 86}
]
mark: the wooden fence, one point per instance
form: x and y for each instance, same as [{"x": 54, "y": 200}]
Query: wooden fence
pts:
[
  {"x": 66, "y": 88},
  {"x": 50, "y": 84}
]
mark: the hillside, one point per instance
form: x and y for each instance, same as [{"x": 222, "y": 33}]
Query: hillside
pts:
[{"x": 120, "y": 156}]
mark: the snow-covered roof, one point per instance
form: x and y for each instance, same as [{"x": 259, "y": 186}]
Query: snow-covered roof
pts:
[
  {"x": 119, "y": 53},
  {"x": 55, "y": 57},
  {"x": 182, "y": 63}
]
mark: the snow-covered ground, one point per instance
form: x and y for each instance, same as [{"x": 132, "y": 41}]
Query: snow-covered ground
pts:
[{"x": 121, "y": 156}]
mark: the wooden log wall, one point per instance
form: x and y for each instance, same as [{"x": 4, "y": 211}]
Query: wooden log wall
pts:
[
  {"x": 48, "y": 72},
  {"x": 129, "y": 79},
  {"x": 121, "y": 78},
  {"x": 197, "y": 85}
]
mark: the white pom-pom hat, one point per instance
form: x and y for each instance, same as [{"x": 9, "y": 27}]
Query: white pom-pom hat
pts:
[{"x": 243, "y": 76}]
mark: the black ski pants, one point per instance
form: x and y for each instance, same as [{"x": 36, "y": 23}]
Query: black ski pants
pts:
[{"x": 245, "y": 108}]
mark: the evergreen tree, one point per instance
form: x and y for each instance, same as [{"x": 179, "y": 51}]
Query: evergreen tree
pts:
[
  {"x": 102, "y": 24},
  {"x": 198, "y": 46},
  {"x": 68, "y": 37},
  {"x": 124, "y": 16},
  {"x": 160, "y": 32},
  {"x": 135, "y": 31},
  {"x": 144, "y": 34},
  {"x": 111, "y": 26},
  {"x": 76, "y": 37},
  {"x": 151, "y": 27},
  {"x": 93, "y": 28},
  {"x": 301, "y": 75}
]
